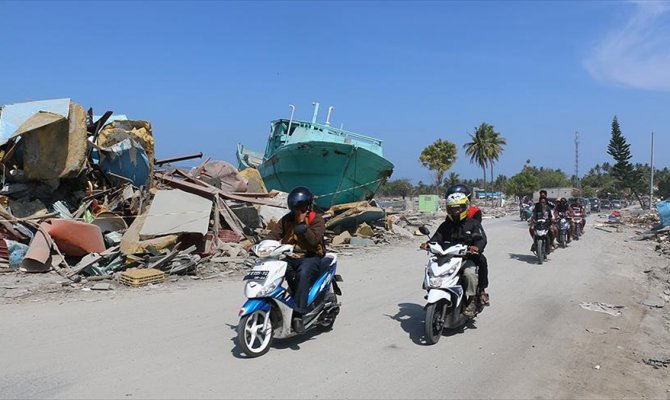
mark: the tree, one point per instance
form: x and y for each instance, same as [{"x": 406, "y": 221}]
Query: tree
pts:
[
  {"x": 485, "y": 148},
  {"x": 452, "y": 179},
  {"x": 397, "y": 187},
  {"x": 497, "y": 144},
  {"x": 479, "y": 147},
  {"x": 438, "y": 157},
  {"x": 522, "y": 184},
  {"x": 623, "y": 170}
]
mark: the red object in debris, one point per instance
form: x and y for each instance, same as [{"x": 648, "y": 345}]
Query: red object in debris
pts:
[
  {"x": 228, "y": 236},
  {"x": 615, "y": 214},
  {"x": 75, "y": 238}
]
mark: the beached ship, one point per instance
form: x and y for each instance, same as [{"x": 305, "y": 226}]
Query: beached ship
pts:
[{"x": 337, "y": 165}]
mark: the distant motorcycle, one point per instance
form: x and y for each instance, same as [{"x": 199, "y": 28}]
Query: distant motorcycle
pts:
[
  {"x": 525, "y": 212},
  {"x": 563, "y": 225},
  {"x": 541, "y": 240},
  {"x": 578, "y": 220}
]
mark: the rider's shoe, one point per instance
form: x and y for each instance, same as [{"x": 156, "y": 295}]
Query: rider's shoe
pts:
[
  {"x": 533, "y": 247},
  {"x": 484, "y": 298},
  {"x": 471, "y": 309}
]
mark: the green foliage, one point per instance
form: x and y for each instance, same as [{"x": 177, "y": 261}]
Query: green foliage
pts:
[
  {"x": 439, "y": 157},
  {"x": 549, "y": 177},
  {"x": 485, "y": 147},
  {"x": 452, "y": 179},
  {"x": 397, "y": 188},
  {"x": 522, "y": 184}
]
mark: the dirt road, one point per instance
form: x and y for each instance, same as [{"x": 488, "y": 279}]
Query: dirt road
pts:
[{"x": 535, "y": 341}]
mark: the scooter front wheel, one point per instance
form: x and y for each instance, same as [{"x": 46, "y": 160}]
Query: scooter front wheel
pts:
[
  {"x": 255, "y": 333},
  {"x": 434, "y": 322}
]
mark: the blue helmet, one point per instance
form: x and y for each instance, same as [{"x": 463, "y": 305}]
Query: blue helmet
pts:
[{"x": 300, "y": 198}]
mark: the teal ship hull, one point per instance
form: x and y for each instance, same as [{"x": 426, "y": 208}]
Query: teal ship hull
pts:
[{"x": 338, "y": 166}]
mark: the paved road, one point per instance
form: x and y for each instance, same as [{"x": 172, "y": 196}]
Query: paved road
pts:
[{"x": 178, "y": 343}]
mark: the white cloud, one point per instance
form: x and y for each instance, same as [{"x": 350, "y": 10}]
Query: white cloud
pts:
[{"x": 637, "y": 54}]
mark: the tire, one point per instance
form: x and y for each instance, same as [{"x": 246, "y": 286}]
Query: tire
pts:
[
  {"x": 250, "y": 341},
  {"x": 539, "y": 249},
  {"x": 433, "y": 325},
  {"x": 578, "y": 231},
  {"x": 562, "y": 239},
  {"x": 328, "y": 324}
]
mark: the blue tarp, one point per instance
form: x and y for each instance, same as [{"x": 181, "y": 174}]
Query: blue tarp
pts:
[
  {"x": 126, "y": 158},
  {"x": 663, "y": 208},
  {"x": 14, "y": 115}
]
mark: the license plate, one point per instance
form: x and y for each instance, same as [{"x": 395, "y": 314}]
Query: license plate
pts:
[{"x": 256, "y": 275}]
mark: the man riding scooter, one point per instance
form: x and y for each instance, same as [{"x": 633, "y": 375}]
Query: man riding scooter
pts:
[{"x": 458, "y": 228}]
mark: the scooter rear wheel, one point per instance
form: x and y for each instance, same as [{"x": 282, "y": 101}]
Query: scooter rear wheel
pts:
[
  {"x": 255, "y": 333},
  {"x": 329, "y": 320},
  {"x": 434, "y": 323},
  {"x": 539, "y": 249}
]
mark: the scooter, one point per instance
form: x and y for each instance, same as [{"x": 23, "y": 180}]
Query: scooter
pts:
[
  {"x": 268, "y": 312},
  {"x": 541, "y": 240},
  {"x": 579, "y": 223},
  {"x": 446, "y": 288},
  {"x": 525, "y": 212},
  {"x": 563, "y": 225}
]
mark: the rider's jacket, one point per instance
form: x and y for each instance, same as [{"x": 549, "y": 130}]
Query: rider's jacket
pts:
[
  {"x": 309, "y": 243},
  {"x": 468, "y": 232},
  {"x": 542, "y": 211}
]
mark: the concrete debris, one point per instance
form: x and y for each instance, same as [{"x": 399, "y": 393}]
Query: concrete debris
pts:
[
  {"x": 653, "y": 302},
  {"x": 603, "y": 308},
  {"x": 342, "y": 238}
]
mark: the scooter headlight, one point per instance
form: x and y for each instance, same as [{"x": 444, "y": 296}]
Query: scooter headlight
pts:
[
  {"x": 270, "y": 288},
  {"x": 435, "y": 282}
]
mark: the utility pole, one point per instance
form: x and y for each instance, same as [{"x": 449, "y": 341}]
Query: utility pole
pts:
[
  {"x": 651, "y": 180},
  {"x": 577, "y": 184}
]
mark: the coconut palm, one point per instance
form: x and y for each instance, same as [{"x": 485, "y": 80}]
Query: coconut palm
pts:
[
  {"x": 496, "y": 147},
  {"x": 479, "y": 147}
]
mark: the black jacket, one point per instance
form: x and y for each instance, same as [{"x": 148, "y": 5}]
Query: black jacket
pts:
[{"x": 468, "y": 232}]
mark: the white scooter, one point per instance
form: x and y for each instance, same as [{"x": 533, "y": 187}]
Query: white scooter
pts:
[
  {"x": 268, "y": 312},
  {"x": 445, "y": 286}
]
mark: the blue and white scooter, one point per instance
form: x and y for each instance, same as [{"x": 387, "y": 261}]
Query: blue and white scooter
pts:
[{"x": 268, "y": 312}]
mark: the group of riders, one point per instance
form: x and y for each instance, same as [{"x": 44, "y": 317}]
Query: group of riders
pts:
[
  {"x": 550, "y": 213},
  {"x": 305, "y": 229}
]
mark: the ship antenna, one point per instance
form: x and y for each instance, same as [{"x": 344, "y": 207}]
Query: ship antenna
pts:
[
  {"x": 316, "y": 112},
  {"x": 290, "y": 121},
  {"x": 330, "y": 110}
]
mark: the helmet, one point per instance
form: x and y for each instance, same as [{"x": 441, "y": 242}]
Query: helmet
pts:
[
  {"x": 457, "y": 206},
  {"x": 300, "y": 198},
  {"x": 459, "y": 188}
]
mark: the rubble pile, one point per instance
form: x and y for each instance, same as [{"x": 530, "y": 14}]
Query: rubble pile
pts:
[{"x": 84, "y": 196}]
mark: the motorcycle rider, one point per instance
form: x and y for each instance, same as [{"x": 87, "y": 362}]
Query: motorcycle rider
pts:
[
  {"x": 305, "y": 229},
  {"x": 458, "y": 228},
  {"x": 480, "y": 259},
  {"x": 562, "y": 206},
  {"x": 542, "y": 210},
  {"x": 578, "y": 211}
]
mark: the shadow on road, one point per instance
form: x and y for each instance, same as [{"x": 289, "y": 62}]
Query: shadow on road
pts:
[
  {"x": 529, "y": 258},
  {"x": 292, "y": 342},
  {"x": 411, "y": 317}
]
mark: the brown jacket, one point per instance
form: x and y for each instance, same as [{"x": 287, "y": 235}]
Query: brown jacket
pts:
[{"x": 310, "y": 243}]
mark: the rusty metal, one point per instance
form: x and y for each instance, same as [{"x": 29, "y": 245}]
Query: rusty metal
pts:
[{"x": 175, "y": 159}]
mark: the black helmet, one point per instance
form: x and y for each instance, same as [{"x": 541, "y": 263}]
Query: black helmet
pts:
[
  {"x": 300, "y": 198},
  {"x": 459, "y": 188}
]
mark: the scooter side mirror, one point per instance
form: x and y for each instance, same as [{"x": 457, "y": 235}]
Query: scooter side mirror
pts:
[{"x": 424, "y": 230}]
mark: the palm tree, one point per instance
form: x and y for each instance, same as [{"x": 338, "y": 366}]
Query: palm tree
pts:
[
  {"x": 478, "y": 149},
  {"x": 452, "y": 178},
  {"x": 496, "y": 147}
]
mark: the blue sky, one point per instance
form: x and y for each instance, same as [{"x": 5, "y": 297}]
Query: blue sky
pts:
[{"x": 212, "y": 74}]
